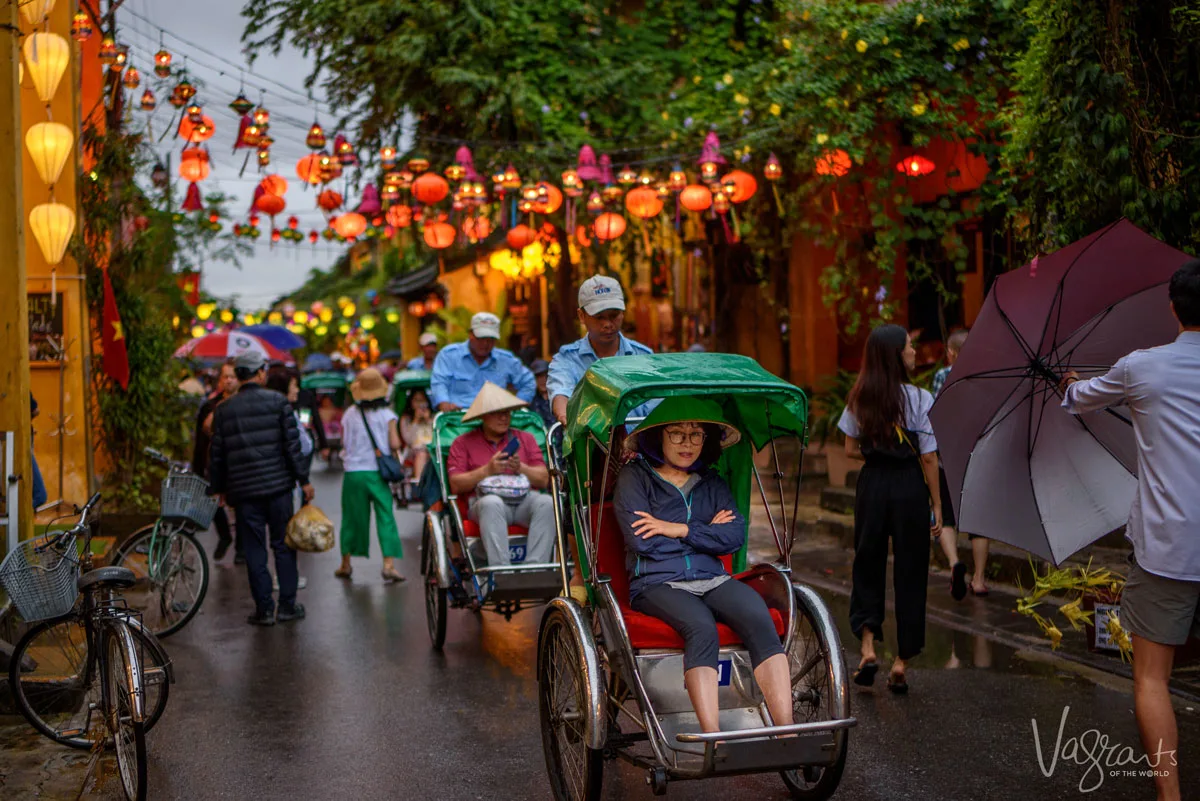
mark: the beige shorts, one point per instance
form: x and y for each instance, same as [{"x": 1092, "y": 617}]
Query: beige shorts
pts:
[{"x": 1160, "y": 609}]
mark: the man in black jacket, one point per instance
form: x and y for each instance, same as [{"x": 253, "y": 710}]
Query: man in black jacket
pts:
[
  {"x": 255, "y": 462},
  {"x": 227, "y": 385}
]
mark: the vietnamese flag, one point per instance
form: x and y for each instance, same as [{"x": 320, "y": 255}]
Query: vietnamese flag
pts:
[{"x": 112, "y": 338}]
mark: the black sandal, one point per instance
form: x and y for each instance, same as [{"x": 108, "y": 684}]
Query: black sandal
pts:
[
  {"x": 865, "y": 675},
  {"x": 897, "y": 683}
]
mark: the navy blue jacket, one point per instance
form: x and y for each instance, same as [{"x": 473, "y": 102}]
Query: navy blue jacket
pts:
[{"x": 661, "y": 558}]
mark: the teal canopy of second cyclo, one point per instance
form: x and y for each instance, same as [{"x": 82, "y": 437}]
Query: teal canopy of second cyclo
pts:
[{"x": 761, "y": 405}]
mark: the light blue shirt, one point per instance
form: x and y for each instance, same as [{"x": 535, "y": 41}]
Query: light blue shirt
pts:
[
  {"x": 417, "y": 363},
  {"x": 457, "y": 377},
  {"x": 1161, "y": 388},
  {"x": 573, "y": 360}
]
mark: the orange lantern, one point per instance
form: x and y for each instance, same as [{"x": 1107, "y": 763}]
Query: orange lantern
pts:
[
  {"x": 520, "y": 237},
  {"x": 399, "y": 216},
  {"x": 270, "y": 204},
  {"x": 477, "y": 228},
  {"x": 644, "y": 202},
  {"x": 439, "y": 235},
  {"x": 274, "y": 185},
  {"x": 834, "y": 162},
  {"x": 350, "y": 225},
  {"x": 609, "y": 226},
  {"x": 915, "y": 166},
  {"x": 695, "y": 197},
  {"x": 193, "y": 164},
  {"x": 739, "y": 185},
  {"x": 309, "y": 169},
  {"x": 553, "y": 198},
  {"x": 191, "y": 131},
  {"x": 430, "y": 188},
  {"x": 329, "y": 200}
]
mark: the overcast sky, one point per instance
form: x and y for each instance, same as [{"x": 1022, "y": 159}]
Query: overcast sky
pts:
[{"x": 215, "y": 26}]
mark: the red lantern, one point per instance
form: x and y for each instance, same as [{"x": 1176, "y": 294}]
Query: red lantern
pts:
[
  {"x": 773, "y": 171},
  {"x": 316, "y": 137},
  {"x": 720, "y": 203},
  {"x": 399, "y": 216},
  {"x": 609, "y": 226},
  {"x": 274, "y": 185},
  {"x": 350, "y": 225},
  {"x": 553, "y": 198},
  {"x": 739, "y": 185},
  {"x": 193, "y": 165},
  {"x": 329, "y": 200},
  {"x": 270, "y": 205},
  {"x": 834, "y": 162},
  {"x": 293, "y": 222},
  {"x": 439, "y": 235},
  {"x": 520, "y": 237},
  {"x": 162, "y": 64},
  {"x": 477, "y": 228},
  {"x": 695, "y": 197},
  {"x": 213, "y": 217},
  {"x": 643, "y": 202},
  {"x": 191, "y": 131},
  {"x": 148, "y": 101},
  {"x": 915, "y": 166},
  {"x": 275, "y": 236},
  {"x": 433, "y": 304},
  {"x": 309, "y": 169},
  {"x": 430, "y": 188},
  {"x": 416, "y": 309},
  {"x": 313, "y": 236}
]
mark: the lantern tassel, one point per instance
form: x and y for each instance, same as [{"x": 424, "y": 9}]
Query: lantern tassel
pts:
[
  {"x": 677, "y": 214},
  {"x": 733, "y": 216},
  {"x": 725, "y": 224},
  {"x": 245, "y": 161},
  {"x": 778, "y": 202},
  {"x": 53, "y": 288}
]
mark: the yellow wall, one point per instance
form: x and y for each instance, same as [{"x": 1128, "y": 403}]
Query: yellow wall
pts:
[{"x": 73, "y": 436}]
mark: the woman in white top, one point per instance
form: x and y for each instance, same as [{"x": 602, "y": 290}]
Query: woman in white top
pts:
[
  {"x": 886, "y": 424},
  {"x": 362, "y": 486}
]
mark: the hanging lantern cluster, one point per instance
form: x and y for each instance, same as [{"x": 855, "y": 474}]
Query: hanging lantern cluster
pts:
[{"x": 50, "y": 144}]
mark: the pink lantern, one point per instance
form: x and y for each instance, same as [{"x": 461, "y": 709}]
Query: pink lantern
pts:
[{"x": 587, "y": 169}]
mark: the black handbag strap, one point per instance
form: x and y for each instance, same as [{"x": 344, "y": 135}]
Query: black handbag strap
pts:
[{"x": 367, "y": 425}]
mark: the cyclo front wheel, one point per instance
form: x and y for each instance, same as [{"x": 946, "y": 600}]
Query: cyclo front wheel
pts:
[
  {"x": 172, "y": 576},
  {"x": 55, "y": 681},
  {"x": 819, "y": 692},
  {"x": 122, "y": 668},
  {"x": 435, "y": 595},
  {"x": 576, "y": 771}
]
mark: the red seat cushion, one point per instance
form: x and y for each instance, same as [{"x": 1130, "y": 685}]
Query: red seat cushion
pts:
[
  {"x": 471, "y": 528},
  {"x": 646, "y": 631},
  {"x": 650, "y": 632}
]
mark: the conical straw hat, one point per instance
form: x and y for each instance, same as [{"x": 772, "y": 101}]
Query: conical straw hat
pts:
[{"x": 492, "y": 398}]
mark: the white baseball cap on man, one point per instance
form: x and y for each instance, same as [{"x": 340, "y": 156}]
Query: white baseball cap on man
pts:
[
  {"x": 428, "y": 338},
  {"x": 485, "y": 326},
  {"x": 601, "y": 293}
]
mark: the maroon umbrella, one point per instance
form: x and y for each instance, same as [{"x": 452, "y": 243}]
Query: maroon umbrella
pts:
[{"x": 1020, "y": 469}]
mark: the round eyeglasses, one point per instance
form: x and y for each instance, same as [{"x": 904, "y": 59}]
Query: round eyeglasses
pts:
[{"x": 693, "y": 437}]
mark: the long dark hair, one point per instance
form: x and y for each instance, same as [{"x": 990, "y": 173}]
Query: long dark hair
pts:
[{"x": 877, "y": 400}]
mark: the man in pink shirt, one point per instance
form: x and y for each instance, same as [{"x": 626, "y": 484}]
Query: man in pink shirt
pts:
[{"x": 484, "y": 452}]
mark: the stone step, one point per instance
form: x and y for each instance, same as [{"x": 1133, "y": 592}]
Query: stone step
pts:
[{"x": 838, "y": 499}]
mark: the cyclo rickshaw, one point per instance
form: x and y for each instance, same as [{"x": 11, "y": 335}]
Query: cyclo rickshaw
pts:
[
  {"x": 610, "y": 680},
  {"x": 453, "y": 557},
  {"x": 404, "y": 384},
  {"x": 330, "y": 391}
]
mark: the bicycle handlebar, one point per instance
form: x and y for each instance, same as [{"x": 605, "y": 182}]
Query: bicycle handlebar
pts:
[{"x": 161, "y": 458}]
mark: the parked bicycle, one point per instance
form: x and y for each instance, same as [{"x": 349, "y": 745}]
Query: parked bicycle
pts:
[
  {"x": 170, "y": 566},
  {"x": 86, "y": 674}
]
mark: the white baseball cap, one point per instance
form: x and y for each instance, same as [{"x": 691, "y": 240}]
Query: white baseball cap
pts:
[
  {"x": 601, "y": 293},
  {"x": 485, "y": 326},
  {"x": 428, "y": 338}
]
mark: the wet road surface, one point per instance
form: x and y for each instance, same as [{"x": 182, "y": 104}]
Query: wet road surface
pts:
[{"x": 353, "y": 703}]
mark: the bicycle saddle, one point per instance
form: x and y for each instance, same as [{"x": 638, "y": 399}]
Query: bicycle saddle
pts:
[{"x": 107, "y": 577}]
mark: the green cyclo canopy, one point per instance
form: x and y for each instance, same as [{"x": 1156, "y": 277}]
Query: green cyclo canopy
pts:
[{"x": 760, "y": 405}]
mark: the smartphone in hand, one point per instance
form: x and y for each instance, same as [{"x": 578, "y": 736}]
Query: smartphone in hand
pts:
[{"x": 511, "y": 447}]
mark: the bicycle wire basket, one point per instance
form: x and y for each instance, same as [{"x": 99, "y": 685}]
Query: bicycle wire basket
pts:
[
  {"x": 185, "y": 497},
  {"x": 40, "y": 576}
]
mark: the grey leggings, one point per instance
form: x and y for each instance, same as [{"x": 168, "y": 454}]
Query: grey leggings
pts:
[{"x": 695, "y": 617}]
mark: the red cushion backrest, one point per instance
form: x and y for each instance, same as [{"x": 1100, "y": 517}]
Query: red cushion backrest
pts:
[
  {"x": 610, "y": 552},
  {"x": 464, "y": 503}
]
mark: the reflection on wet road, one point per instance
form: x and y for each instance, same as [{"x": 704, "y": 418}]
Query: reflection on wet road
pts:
[{"x": 352, "y": 703}]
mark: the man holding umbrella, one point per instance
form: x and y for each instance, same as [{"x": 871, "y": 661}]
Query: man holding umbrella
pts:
[{"x": 1160, "y": 605}]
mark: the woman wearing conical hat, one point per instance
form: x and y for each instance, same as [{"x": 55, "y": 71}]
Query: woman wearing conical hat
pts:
[{"x": 497, "y": 454}]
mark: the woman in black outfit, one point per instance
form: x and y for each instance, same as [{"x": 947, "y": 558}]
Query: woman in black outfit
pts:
[{"x": 886, "y": 423}]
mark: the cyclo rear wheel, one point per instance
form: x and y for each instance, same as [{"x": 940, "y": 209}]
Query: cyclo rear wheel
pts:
[
  {"x": 169, "y": 595},
  {"x": 124, "y": 697},
  {"x": 815, "y": 659},
  {"x": 55, "y": 681},
  {"x": 576, "y": 771},
  {"x": 435, "y": 595}
]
